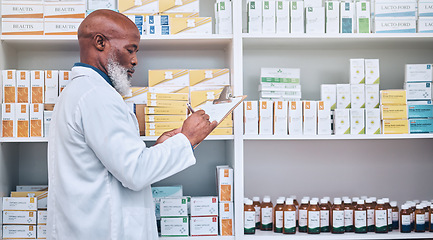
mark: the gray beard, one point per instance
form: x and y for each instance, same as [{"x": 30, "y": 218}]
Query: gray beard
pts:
[{"x": 119, "y": 76}]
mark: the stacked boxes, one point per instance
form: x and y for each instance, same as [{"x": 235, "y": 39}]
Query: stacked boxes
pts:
[
  {"x": 63, "y": 18},
  {"x": 204, "y": 216},
  {"x": 174, "y": 216},
  {"x": 280, "y": 84},
  {"x": 394, "y": 112},
  {"x": 395, "y": 16},
  {"x": 425, "y": 14},
  {"x": 224, "y": 177},
  {"x": 19, "y": 217}
]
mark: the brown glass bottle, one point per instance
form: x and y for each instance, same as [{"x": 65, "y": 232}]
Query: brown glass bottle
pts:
[
  {"x": 431, "y": 219},
  {"x": 389, "y": 213},
  {"x": 256, "y": 205},
  {"x": 249, "y": 217},
  {"x": 289, "y": 217},
  {"x": 395, "y": 215},
  {"x": 405, "y": 219},
  {"x": 337, "y": 216},
  {"x": 266, "y": 212},
  {"x": 360, "y": 217},
  {"x": 278, "y": 216},
  {"x": 381, "y": 217},
  {"x": 348, "y": 215},
  {"x": 303, "y": 216},
  {"x": 370, "y": 215},
  {"x": 325, "y": 213},
  {"x": 313, "y": 221},
  {"x": 419, "y": 218}
]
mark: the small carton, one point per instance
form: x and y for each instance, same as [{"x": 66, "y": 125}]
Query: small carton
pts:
[
  {"x": 421, "y": 125},
  {"x": 174, "y": 206},
  {"x": 283, "y": 19},
  {"x": 226, "y": 216},
  {"x": 65, "y": 10},
  {"x": 357, "y": 96},
  {"x": 425, "y": 8},
  {"x": 347, "y": 14},
  {"x": 22, "y": 9},
  {"x": 19, "y": 232},
  {"x": 425, "y": 25},
  {"x": 36, "y": 120},
  {"x": 164, "y": 191},
  {"x": 297, "y": 17},
  {"x": 42, "y": 217},
  {"x": 309, "y": 125},
  {"x": 42, "y": 197},
  {"x": 42, "y": 232},
  {"x": 395, "y": 126},
  {"x": 420, "y": 111},
  {"x": 280, "y": 118},
  {"x": 51, "y": 86},
  {"x": 174, "y": 227},
  {"x": 163, "y": 78},
  {"x": 165, "y": 111},
  {"x": 173, "y": 6},
  {"x": 137, "y": 95},
  {"x": 9, "y": 124},
  {"x": 222, "y": 131},
  {"x": 204, "y": 206},
  {"x": 200, "y": 95},
  {"x": 393, "y": 97},
  {"x": 251, "y": 118},
  {"x": 163, "y": 125},
  {"x": 22, "y": 116},
  {"x": 22, "y": 26},
  {"x": 363, "y": 17},
  {"x": 23, "y": 86},
  {"x": 60, "y": 26},
  {"x": 269, "y": 19},
  {"x": 47, "y": 120},
  {"x": 102, "y": 4},
  {"x": 20, "y": 204},
  {"x": 204, "y": 226},
  {"x": 357, "y": 122},
  {"x": 31, "y": 188},
  {"x": 315, "y": 20},
  {"x": 37, "y": 82},
  {"x": 166, "y": 103},
  {"x": 357, "y": 71},
  {"x": 138, "y": 7},
  {"x": 328, "y": 92},
  {"x": 395, "y": 25},
  {"x": 372, "y": 96},
  {"x": 372, "y": 121},
  {"x": 280, "y": 75},
  {"x": 418, "y": 90},
  {"x": 343, "y": 96},
  {"x": 212, "y": 77},
  {"x": 332, "y": 12},
  {"x": 223, "y": 17},
  {"x": 372, "y": 72},
  {"x": 295, "y": 118},
  {"x": 265, "y": 117},
  {"x": 64, "y": 79},
  {"x": 395, "y": 8},
  {"x": 255, "y": 16},
  {"x": 167, "y": 96},
  {"x": 225, "y": 183},
  {"x": 341, "y": 121},
  {"x": 191, "y": 25},
  {"x": 323, "y": 118},
  {"x": 19, "y": 217},
  {"x": 393, "y": 112},
  {"x": 9, "y": 84},
  {"x": 164, "y": 118},
  {"x": 418, "y": 73}
]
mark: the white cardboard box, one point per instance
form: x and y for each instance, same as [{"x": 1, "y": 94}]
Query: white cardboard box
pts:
[
  {"x": 425, "y": 25},
  {"x": 265, "y": 117},
  {"x": 283, "y": 18},
  {"x": 61, "y": 26},
  {"x": 357, "y": 71},
  {"x": 9, "y": 83},
  {"x": 323, "y": 118},
  {"x": 42, "y": 217},
  {"x": 357, "y": 122},
  {"x": 372, "y": 121},
  {"x": 347, "y": 15},
  {"x": 174, "y": 207},
  {"x": 22, "y": 26},
  {"x": 280, "y": 118},
  {"x": 315, "y": 20},
  {"x": 269, "y": 20},
  {"x": 226, "y": 222},
  {"x": 297, "y": 17},
  {"x": 204, "y": 226},
  {"x": 224, "y": 17},
  {"x": 37, "y": 82},
  {"x": 357, "y": 96},
  {"x": 69, "y": 9},
  {"x": 255, "y": 16},
  {"x": 372, "y": 71},
  {"x": 395, "y": 8},
  {"x": 418, "y": 90},
  {"x": 23, "y": 86},
  {"x": 19, "y": 217},
  {"x": 22, "y": 115},
  {"x": 341, "y": 121},
  {"x": 22, "y": 9},
  {"x": 309, "y": 118},
  {"x": 20, "y": 204},
  {"x": 332, "y": 12},
  {"x": 343, "y": 96},
  {"x": 295, "y": 118},
  {"x": 395, "y": 25},
  {"x": 363, "y": 23},
  {"x": 425, "y": 8},
  {"x": 19, "y": 232},
  {"x": 47, "y": 121},
  {"x": 36, "y": 120},
  {"x": 372, "y": 96},
  {"x": 9, "y": 123},
  {"x": 174, "y": 226},
  {"x": 251, "y": 116},
  {"x": 418, "y": 73},
  {"x": 328, "y": 92},
  {"x": 204, "y": 206},
  {"x": 42, "y": 232},
  {"x": 51, "y": 86}
]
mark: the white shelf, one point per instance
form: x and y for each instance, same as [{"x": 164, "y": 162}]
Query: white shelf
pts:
[
  {"x": 199, "y": 238},
  {"x": 346, "y": 236},
  {"x": 338, "y": 137}
]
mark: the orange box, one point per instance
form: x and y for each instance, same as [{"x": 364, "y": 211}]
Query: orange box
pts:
[
  {"x": 23, "y": 86},
  {"x": 9, "y": 86},
  {"x": 22, "y": 115},
  {"x": 8, "y": 120},
  {"x": 225, "y": 183},
  {"x": 37, "y": 82},
  {"x": 36, "y": 120}
]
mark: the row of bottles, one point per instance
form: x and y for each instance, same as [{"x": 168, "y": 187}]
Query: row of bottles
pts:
[{"x": 312, "y": 216}]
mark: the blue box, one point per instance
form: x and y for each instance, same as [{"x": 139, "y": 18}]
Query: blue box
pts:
[
  {"x": 421, "y": 125},
  {"x": 420, "y": 111}
]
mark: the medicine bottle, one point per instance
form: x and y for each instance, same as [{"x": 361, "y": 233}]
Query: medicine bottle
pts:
[
  {"x": 389, "y": 209},
  {"x": 278, "y": 216},
  {"x": 337, "y": 216},
  {"x": 370, "y": 215},
  {"x": 249, "y": 217},
  {"x": 395, "y": 215},
  {"x": 256, "y": 205},
  {"x": 374, "y": 199},
  {"x": 313, "y": 225},
  {"x": 427, "y": 214},
  {"x": 381, "y": 217},
  {"x": 355, "y": 202},
  {"x": 419, "y": 218},
  {"x": 360, "y": 217},
  {"x": 266, "y": 211},
  {"x": 289, "y": 224},
  {"x": 348, "y": 215},
  {"x": 303, "y": 215},
  {"x": 325, "y": 210},
  {"x": 405, "y": 219}
]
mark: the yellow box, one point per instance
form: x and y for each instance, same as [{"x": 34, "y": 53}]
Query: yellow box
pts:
[
  {"x": 169, "y": 77},
  {"x": 59, "y": 26},
  {"x": 138, "y": 6},
  {"x": 393, "y": 111},
  {"x": 23, "y": 86},
  {"x": 176, "y": 6},
  {"x": 165, "y": 111},
  {"x": 9, "y": 84},
  {"x": 226, "y": 123},
  {"x": 22, "y": 9},
  {"x": 393, "y": 97},
  {"x": 212, "y": 77},
  {"x": 197, "y": 25},
  {"x": 22, "y": 115},
  {"x": 171, "y": 89},
  {"x": 42, "y": 197},
  {"x": 22, "y": 26},
  {"x": 395, "y": 126},
  {"x": 37, "y": 82},
  {"x": 64, "y": 79},
  {"x": 163, "y": 125},
  {"x": 65, "y": 10},
  {"x": 9, "y": 125},
  {"x": 222, "y": 131},
  {"x": 138, "y": 95},
  {"x": 156, "y": 132},
  {"x": 165, "y": 118},
  {"x": 168, "y": 96},
  {"x": 167, "y": 103},
  {"x": 36, "y": 120},
  {"x": 201, "y": 95}
]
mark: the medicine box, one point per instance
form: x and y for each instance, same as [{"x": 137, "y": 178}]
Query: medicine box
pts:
[
  {"x": 395, "y": 25},
  {"x": 420, "y": 111},
  {"x": 22, "y": 26},
  {"x": 169, "y": 77},
  {"x": 315, "y": 20},
  {"x": 347, "y": 15},
  {"x": 204, "y": 226},
  {"x": 22, "y": 9},
  {"x": 9, "y": 84},
  {"x": 265, "y": 117},
  {"x": 23, "y": 86},
  {"x": 64, "y": 79},
  {"x": 36, "y": 120},
  {"x": 31, "y": 188},
  {"x": 42, "y": 197},
  {"x": 51, "y": 86},
  {"x": 395, "y": 8},
  {"x": 200, "y": 95},
  {"x": 226, "y": 219},
  {"x": 204, "y": 206},
  {"x": 20, "y": 204},
  {"x": 60, "y": 26},
  {"x": 64, "y": 10},
  {"x": 363, "y": 17},
  {"x": 269, "y": 20},
  {"x": 372, "y": 73},
  {"x": 297, "y": 17},
  {"x": 47, "y": 121},
  {"x": 357, "y": 96},
  {"x": 22, "y": 116},
  {"x": 251, "y": 118},
  {"x": 174, "y": 206},
  {"x": 37, "y": 82},
  {"x": 372, "y": 96},
  {"x": 9, "y": 124},
  {"x": 167, "y": 96},
  {"x": 421, "y": 125},
  {"x": 328, "y": 92},
  {"x": 341, "y": 121},
  {"x": 280, "y": 75},
  {"x": 42, "y": 216},
  {"x": 164, "y": 118},
  {"x": 166, "y": 103},
  {"x": 163, "y": 192},
  {"x": 357, "y": 71},
  {"x": 163, "y": 125},
  {"x": 425, "y": 8},
  {"x": 19, "y": 232},
  {"x": 206, "y": 77},
  {"x": 176, "y": 6},
  {"x": 425, "y": 24},
  {"x": 191, "y": 25},
  {"x": 372, "y": 121},
  {"x": 138, "y": 6},
  {"x": 19, "y": 217},
  {"x": 225, "y": 183},
  {"x": 343, "y": 96},
  {"x": 223, "y": 17},
  {"x": 283, "y": 18},
  {"x": 332, "y": 12},
  {"x": 174, "y": 227},
  {"x": 418, "y": 90},
  {"x": 295, "y": 118},
  {"x": 323, "y": 118},
  {"x": 280, "y": 118},
  {"x": 393, "y": 112},
  {"x": 255, "y": 16},
  {"x": 309, "y": 118},
  {"x": 102, "y": 4},
  {"x": 395, "y": 126},
  {"x": 222, "y": 131},
  {"x": 418, "y": 73},
  {"x": 357, "y": 121},
  {"x": 42, "y": 232},
  {"x": 165, "y": 111},
  {"x": 393, "y": 97}
]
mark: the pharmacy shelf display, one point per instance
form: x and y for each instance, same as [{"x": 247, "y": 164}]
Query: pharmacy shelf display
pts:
[{"x": 346, "y": 236}]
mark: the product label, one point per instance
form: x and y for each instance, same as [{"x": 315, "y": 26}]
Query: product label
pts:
[
  {"x": 390, "y": 216},
  {"x": 381, "y": 220},
  {"x": 361, "y": 221},
  {"x": 249, "y": 220},
  {"x": 405, "y": 219},
  {"x": 257, "y": 215},
  {"x": 370, "y": 217},
  {"x": 279, "y": 221},
  {"x": 324, "y": 218},
  {"x": 420, "y": 219},
  {"x": 394, "y": 216},
  {"x": 338, "y": 220},
  {"x": 267, "y": 217},
  {"x": 303, "y": 217},
  {"x": 289, "y": 221},
  {"x": 348, "y": 218},
  {"x": 313, "y": 220}
]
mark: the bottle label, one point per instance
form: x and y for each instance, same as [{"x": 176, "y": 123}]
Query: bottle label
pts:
[
  {"x": 348, "y": 218},
  {"x": 390, "y": 216},
  {"x": 289, "y": 221},
  {"x": 266, "y": 218},
  {"x": 381, "y": 220},
  {"x": 337, "y": 219},
  {"x": 420, "y": 219},
  {"x": 394, "y": 216},
  {"x": 279, "y": 220},
  {"x": 314, "y": 220},
  {"x": 360, "y": 219},
  {"x": 249, "y": 220},
  {"x": 370, "y": 217},
  {"x": 324, "y": 218},
  {"x": 257, "y": 214},
  {"x": 405, "y": 220},
  {"x": 303, "y": 218}
]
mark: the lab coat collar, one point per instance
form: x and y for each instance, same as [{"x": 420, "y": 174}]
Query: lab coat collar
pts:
[{"x": 103, "y": 75}]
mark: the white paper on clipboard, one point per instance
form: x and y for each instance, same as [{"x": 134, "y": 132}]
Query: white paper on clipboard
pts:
[{"x": 217, "y": 112}]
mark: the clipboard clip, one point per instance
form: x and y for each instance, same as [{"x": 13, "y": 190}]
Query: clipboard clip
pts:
[{"x": 225, "y": 96}]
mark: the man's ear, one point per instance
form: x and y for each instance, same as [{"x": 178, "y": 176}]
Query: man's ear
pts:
[{"x": 100, "y": 42}]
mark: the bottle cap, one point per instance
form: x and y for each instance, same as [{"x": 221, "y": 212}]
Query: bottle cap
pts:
[
  {"x": 364, "y": 197},
  {"x": 327, "y": 198},
  {"x": 419, "y": 206},
  {"x": 355, "y": 199},
  {"x": 393, "y": 204},
  {"x": 360, "y": 201},
  {"x": 308, "y": 198},
  {"x": 337, "y": 201},
  {"x": 313, "y": 201},
  {"x": 304, "y": 201},
  {"x": 246, "y": 200},
  {"x": 416, "y": 201},
  {"x": 267, "y": 199},
  {"x": 280, "y": 201},
  {"x": 347, "y": 201},
  {"x": 380, "y": 201},
  {"x": 405, "y": 207},
  {"x": 368, "y": 200},
  {"x": 249, "y": 202},
  {"x": 323, "y": 201},
  {"x": 281, "y": 198},
  {"x": 386, "y": 200},
  {"x": 256, "y": 199},
  {"x": 344, "y": 197},
  {"x": 289, "y": 201},
  {"x": 374, "y": 199}
]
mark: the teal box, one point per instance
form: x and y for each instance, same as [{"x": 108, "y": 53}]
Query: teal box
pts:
[
  {"x": 421, "y": 125},
  {"x": 420, "y": 111}
]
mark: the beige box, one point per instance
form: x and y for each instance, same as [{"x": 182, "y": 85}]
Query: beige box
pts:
[
  {"x": 204, "y": 226},
  {"x": 64, "y": 79},
  {"x": 47, "y": 121},
  {"x": 174, "y": 206},
  {"x": 266, "y": 117},
  {"x": 163, "y": 78},
  {"x": 9, "y": 124},
  {"x": 341, "y": 121},
  {"x": 280, "y": 118},
  {"x": 37, "y": 82},
  {"x": 22, "y": 9},
  {"x": 167, "y": 96},
  {"x": 20, "y": 204},
  {"x": 165, "y": 111},
  {"x": 164, "y": 118},
  {"x": 328, "y": 92},
  {"x": 42, "y": 217},
  {"x": 36, "y": 120},
  {"x": 393, "y": 97},
  {"x": 226, "y": 222},
  {"x": 155, "y": 132},
  {"x": 393, "y": 111},
  {"x": 22, "y": 116},
  {"x": 395, "y": 126},
  {"x": 138, "y": 6},
  {"x": 372, "y": 96},
  {"x": 372, "y": 121},
  {"x": 200, "y": 95},
  {"x": 22, "y": 26},
  {"x": 19, "y": 217},
  {"x": 163, "y": 125},
  {"x": 9, "y": 84},
  {"x": 357, "y": 71},
  {"x": 225, "y": 183},
  {"x": 295, "y": 118},
  {"x": 222, "y": 131},
  {"x": 372, "y": 71},
  {"x": 19, "y": 232},
  {"x": 137, "y": 95},
  {"x": 357, "y": 121},
  {"x": 176, "y": 6},
  {"x": 357, "y": 96},
  {"x": 59, "y": 26},
  {"x": 251, "y": 118},
  {"x": 51, "y": 86},
  {"x": 323, "y": 118},
  {"x": 204, "y": 206},
  {"x": 174, "y": 227},
  {"x": 167, "y": 103},
  {"x": 197, "y": 25},
  {"x": 42, "y": 232},
  {"x": 206, "y": 77},
  {"x": 65, "y": 10},
  {"x": 309, "y": 122},
  {"x": 170, "y": 89},
  {"x": 23, "y": 86},
  {"x": 343, "y": 96}
]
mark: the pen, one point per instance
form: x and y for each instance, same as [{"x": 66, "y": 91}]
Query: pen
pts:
[{"x": 190, "y": 108}]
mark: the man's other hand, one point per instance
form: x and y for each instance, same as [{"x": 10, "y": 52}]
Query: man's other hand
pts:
[
  {"x": 197, "y": 127},
  {"x": 167, "y": 135}
]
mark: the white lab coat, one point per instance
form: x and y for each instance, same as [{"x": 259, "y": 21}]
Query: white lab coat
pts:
[{"x": 99, "y": 169}]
